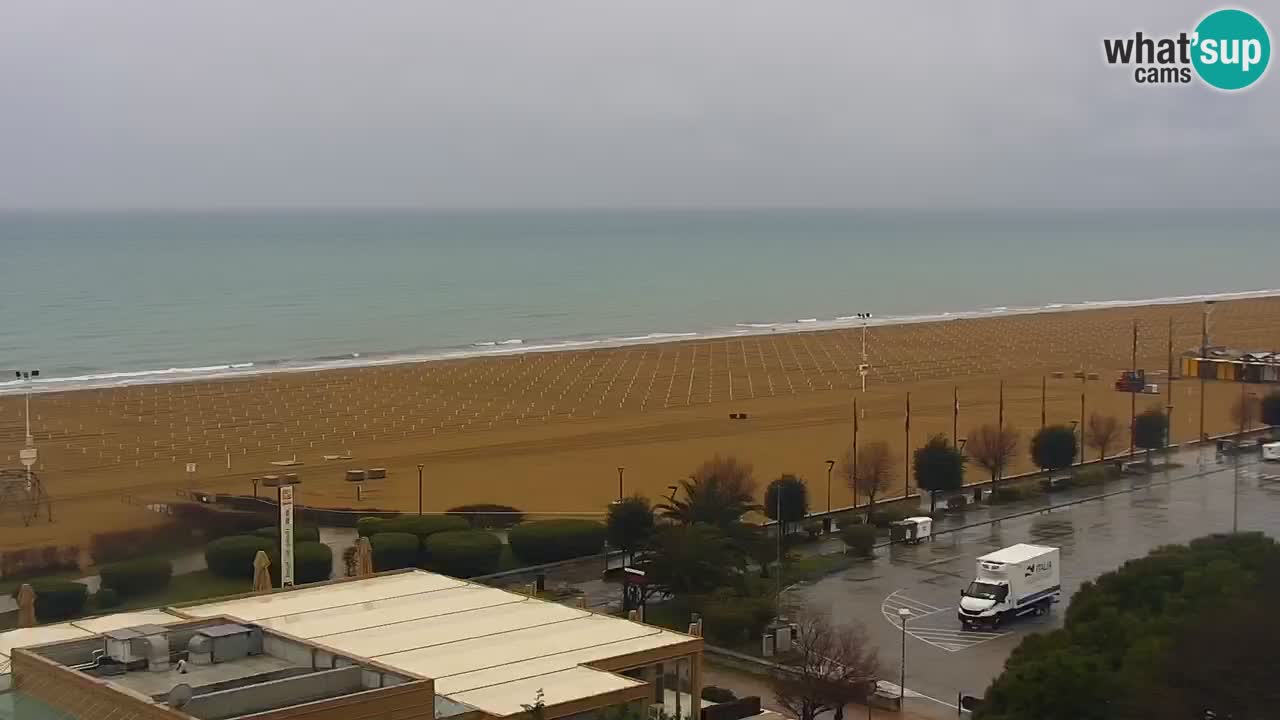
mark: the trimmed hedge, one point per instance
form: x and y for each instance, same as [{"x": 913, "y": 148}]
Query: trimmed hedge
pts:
[
  {"x": 731, "y": 621},
  {"x": 106, "y": 598},
  {"x": 859, "y": 539},
  {"x": 423, "y": 526},
  {"x": 488, "y": 515},
  {"x": 57, "y": 600},
  {"x": 312, "y": 562},
  {"x": 464, "y": 553},
  {"x": 883, "y": 518},
  {"x": 37, "y": 561},
  {"x": 136, "y": 577},
  {"x": 394, "y": 550},
  {"x": 300, "y": 534},
  {"x": 546, "y": 541},
  {"x": 232, "y": 557}
]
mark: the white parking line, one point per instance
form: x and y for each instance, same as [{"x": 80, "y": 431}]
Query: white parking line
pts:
[{"x": 950, "y": 639}]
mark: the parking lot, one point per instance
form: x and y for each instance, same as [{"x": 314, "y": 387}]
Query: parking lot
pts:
[{"x": 943, "y": 660}]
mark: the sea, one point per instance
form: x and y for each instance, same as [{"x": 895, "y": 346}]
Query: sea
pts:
[{"x": 97, "y": 299}]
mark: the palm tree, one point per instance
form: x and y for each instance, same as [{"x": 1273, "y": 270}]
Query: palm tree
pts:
[{"x": 719, "y": 493}]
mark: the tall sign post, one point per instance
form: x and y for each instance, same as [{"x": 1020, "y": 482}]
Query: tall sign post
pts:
[{"x": 284, "y": 497}]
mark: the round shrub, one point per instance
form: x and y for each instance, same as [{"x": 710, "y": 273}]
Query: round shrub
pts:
[
  {"x": 57, "y": 599},
  {"x": 712, "y": 693},
  {"x": 300, "y": 534},
  {"x": 232, "y": 557},
  {"x": 106, "y": 598},
  {"x": 424, "y": 526},
  {"x": 464, "y": 553},
  {"x": 369, "y": 526},
  {"x": 736, "y": 620},
  {"x": 312, "y": 562},
  {"x": 547, "y": 541},
  {"x": 489, "y": 515},
  {"x": 887, "y": 516},
  {"x": 137, "y": 577},
  {"x": 859, "y": 539},
  {"x": 394, "y": 550}
]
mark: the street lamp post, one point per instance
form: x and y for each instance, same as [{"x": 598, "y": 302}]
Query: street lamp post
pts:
[
  {"x": 620, "y": 469},
  {"x": 1079, "y": 443},
  {"x": 28, "y": 453},
  {"x": 419, "y": 488},
  {"x": 903, "y": 615},
  {"x": 830, "y": 464}
]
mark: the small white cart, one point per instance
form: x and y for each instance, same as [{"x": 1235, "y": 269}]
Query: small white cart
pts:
[{"x": 912, "y": 529}]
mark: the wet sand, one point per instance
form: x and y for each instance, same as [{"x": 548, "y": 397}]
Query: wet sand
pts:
[{"x": 546, "y": 432}]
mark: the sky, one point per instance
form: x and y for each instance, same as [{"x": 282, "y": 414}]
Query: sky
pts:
[{"x": 615, "y": 103}]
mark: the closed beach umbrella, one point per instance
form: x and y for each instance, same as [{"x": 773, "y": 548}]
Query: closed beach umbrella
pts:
[
  {"x": 364, "y": 557},
  {"x": 261, "y": 575},
  {"x": 26, "y": 606}
]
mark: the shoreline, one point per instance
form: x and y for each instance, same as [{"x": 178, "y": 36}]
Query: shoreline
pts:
[{"x": 519, "y": 346}]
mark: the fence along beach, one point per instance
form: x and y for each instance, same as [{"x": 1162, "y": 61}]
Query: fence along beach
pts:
[{"x": 545, "y": 431}]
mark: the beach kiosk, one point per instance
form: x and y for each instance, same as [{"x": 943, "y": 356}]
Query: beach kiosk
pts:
[{"x": 912, "y": 529}]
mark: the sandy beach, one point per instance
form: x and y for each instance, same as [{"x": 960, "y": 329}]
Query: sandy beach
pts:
[{"x": 546, "y": 432}]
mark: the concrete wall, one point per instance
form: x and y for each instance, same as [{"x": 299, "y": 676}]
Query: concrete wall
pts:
[{"x": 274, "y": 694}]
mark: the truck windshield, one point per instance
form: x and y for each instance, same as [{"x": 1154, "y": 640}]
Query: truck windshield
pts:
[{"x": 986, "y": 591}]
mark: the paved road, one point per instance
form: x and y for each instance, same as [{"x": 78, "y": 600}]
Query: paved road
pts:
[{"x": 942, "y": 659}]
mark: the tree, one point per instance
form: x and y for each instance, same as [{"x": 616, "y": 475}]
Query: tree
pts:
[
  {"x": 692, "y": 560},
  {"x": 1150, "y": 428},
  {"x": 1244, "y": 412},
  {"x": 719, "y": 493},
  {"x": 992, "y": 449},
  {"x": 791, "y": 495},
  {"x": 873, "y": 472},
  {"x": 828, "y": 667},
  {"x": 1101, "y": 432},
  {"x": 938, "y": 467},
  {"x": 629, "y": 525},
  {"x": 1053, "y": 447},
  {"x": 1270, "y": 408}
]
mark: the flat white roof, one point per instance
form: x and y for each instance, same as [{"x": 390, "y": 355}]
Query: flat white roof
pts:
[
  {"x": 1016, "y": 553},
  {"x": 88, "y": 627},
  {"x": 485, "y": 647}
]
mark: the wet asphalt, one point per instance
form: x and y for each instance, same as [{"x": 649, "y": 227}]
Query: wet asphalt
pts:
[{"x": 942, "y": 660}]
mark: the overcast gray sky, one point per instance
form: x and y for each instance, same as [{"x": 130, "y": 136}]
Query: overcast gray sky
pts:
[{"x": 567, "y": 103}]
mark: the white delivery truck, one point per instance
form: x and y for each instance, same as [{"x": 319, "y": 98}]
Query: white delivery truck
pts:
[
  {"x": 1018, "y": 580},
  {"x": 1271, "y": 451}
]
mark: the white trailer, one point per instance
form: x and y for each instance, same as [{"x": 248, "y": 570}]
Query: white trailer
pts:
[{"x": 1018, "y": 580}]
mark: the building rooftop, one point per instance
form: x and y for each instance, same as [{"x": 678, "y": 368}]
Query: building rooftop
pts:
[
  {"x": 488, "y": 648},
  {"x": 484, "y": 649}
]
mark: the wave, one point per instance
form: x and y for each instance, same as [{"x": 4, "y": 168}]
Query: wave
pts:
[{"x": 512, "y": 346}]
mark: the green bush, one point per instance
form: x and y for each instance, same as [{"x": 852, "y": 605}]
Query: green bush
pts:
[
  {"x": 394, "y": 550},
  {"x": 136, "y": 577},
  {"x": 57, "y": 599},
  {"x": 464, "y": 553},
  {"x": 488, "y": 515},
  {"x": 1011, "y": 493},
  {"x": 732, "y": 621},
  {"x": 106, "y": 598},
  {"x": 421, "y": 526},
  {"x": 312, "y": 562},
  {"x": 714, "y": 694},
  {"x": 300, "y": 534},
  {"x": 887, "y": 516},
  {"x": 232, "y": 557},
  {"x": 859, "y": 539},
  {"x": 1089, "y": 477},
  {"x": 546, "y": 541}
]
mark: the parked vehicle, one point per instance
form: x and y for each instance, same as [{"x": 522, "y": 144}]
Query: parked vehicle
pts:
[
  {"x": 1018, "y": 580},
  {"x": 1271, "y": 451},
  {"x": 912, "y": 530}
]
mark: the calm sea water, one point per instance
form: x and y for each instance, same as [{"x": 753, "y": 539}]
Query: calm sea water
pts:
[{"x": 84, "y": 295}]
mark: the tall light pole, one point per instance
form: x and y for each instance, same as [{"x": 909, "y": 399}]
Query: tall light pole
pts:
[
  {"x": 830, "y": 465},
  {"x": 781, "y": 530},
  {"x": 620, "y": 470},
  {"x": 1235, "y": 474},
  {"x": 28, "y": 453},
  {"x": 419, "y": 488},
  {"x": 904, "y": 615}
]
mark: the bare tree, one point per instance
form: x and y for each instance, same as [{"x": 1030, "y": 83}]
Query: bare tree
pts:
[
  {"x": 992, "y": 448},
  {"x": 872, "y": 474},
  {"x": 828, "y": 667},
  {"x": 1244, "y": 411},
  {"x": 1101, "y": 432}
]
